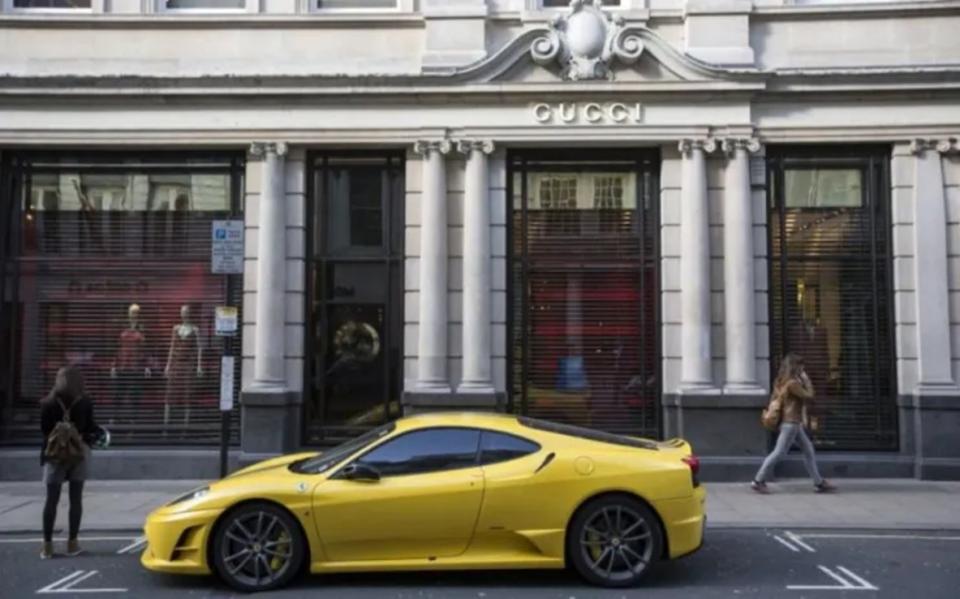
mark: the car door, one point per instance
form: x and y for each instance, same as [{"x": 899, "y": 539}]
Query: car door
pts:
[{"x": 425, "y": 503}]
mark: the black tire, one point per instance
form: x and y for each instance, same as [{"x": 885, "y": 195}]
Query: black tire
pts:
[
  {"x": 258, "y": 547},
  {"x": 614, "y": 541}
]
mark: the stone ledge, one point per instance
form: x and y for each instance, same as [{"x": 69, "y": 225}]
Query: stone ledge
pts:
[
  {"x": 127, "y": 464},
  {"x": 253, "y": 397},
  {"x": 720, "y": 402},
  {"x": 415, "y": 402},
  {"x": 929, "y": 402}
]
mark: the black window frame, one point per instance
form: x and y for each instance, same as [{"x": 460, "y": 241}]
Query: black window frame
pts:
[
  {"x": 873, "y": 161},
  {"x": 359, "y": 459}
]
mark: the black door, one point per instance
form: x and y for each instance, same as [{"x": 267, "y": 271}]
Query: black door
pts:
[
  {"x": 354, "y": 297},
  {"x": 831, "y": 288},
  {"x": 584, "y": 345}
]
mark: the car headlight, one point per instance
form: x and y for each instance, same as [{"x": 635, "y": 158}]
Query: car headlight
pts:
[{"x": 190, "y": 495}]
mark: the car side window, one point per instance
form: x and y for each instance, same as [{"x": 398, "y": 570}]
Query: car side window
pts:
[
  {"x": 422, "y": 451},
  {"x": 500, "y": 447}
]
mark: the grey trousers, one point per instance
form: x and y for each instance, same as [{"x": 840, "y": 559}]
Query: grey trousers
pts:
[{"x": 790, "y": 432}]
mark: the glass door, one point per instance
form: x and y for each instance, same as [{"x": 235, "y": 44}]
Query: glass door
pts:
[
  {"x": 354, "y": 297},
  {"x": 584, "y": 327}
]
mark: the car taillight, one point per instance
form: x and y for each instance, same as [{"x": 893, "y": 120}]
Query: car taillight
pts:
[{"x": 694, "y": 463}]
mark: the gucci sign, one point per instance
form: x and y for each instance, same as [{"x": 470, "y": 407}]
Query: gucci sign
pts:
[{"x": 591, "y": 113}]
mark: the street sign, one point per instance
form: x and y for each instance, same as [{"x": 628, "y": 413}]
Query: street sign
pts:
[
  {"x": 225, "y": 321},
  {"x": 226, "y": 383},
  {"x": 226, "y": 249}
]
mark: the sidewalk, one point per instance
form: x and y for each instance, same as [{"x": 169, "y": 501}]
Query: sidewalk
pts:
[{"x": 859, "y": 503}]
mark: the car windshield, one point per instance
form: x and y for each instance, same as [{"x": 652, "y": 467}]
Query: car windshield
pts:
[{"x": 325, "y": 460}]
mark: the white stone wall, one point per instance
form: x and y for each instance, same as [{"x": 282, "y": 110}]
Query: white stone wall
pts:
[
  {"x": 295, "y": 236},
  {"x": 498, "y": 215}
]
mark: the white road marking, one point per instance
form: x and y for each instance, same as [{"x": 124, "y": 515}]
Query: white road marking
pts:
[
  {"x": 858, "y": 584},
  {"x": 39, "y": 540},
  {"x": 827, "y": 535},
  {"x": 786, "y": 544},
  {"x": 864, "y": 584},
  {"x": 797, "y": 540},
  {"x": 50, "y": 586},
  {"x": 67, "y": 584},
  {"x": 138, "y": 542}
]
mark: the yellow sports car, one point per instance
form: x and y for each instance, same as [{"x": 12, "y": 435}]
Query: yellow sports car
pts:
[{"x": 442, "y": 491}]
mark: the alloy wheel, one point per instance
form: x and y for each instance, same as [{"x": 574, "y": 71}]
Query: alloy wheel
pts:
[
  {"x": 616, "y": 543},
  {"x": 256, "y": 548}
]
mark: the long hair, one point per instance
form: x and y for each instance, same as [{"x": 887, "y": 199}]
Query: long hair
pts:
[
  {"x": 68, "y": 384},
  {"x": 790, "y": 368}
]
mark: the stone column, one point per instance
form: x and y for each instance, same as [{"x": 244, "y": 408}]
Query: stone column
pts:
[
  {"x": 696, "y": 376},
  {"x": 268, "y": 366},
  {"x": 432, "y": 343},
  {"x": 935, "y": 402},
  {"x": 477, "y": 366},
  {"x": 738, "y": 279},
  {"x": 931, "y": 269}
]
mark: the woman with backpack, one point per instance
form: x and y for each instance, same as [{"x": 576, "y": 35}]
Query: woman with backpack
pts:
[
  {"x": 792, "y": 395},
  {"x": 68, "y": 427}
]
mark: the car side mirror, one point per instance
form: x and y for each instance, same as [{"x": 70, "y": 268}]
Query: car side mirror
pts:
[{"x": 361, "y": 472}]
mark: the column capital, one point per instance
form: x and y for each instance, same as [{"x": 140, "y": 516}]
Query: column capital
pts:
[
  {"x": 731, "y": 144},
  {"x": 465, "y": 146},
  {"x": 425, "y": 146},
  {"x": 705, "y": 144},
  {"x": 260, "y": 149},
  {"x": 945, "y": 145}
]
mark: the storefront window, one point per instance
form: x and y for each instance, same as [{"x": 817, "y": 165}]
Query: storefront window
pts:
[
  {"x": 831, "y": 291},
  {"x": 111, "y": 272},
  {"x": 584, "y": 291}
]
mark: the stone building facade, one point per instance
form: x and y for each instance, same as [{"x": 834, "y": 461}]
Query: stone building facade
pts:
[{"x": 617, "y": 214}]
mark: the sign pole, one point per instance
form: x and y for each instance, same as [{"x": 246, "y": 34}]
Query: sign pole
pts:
[
  {"x": 225, "y": 327},
  {"x": 226, "y": 257}
]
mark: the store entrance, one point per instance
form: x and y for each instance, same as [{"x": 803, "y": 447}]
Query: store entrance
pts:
[
  {"x": 584, "y": 345},
  {"x": 354, "y": 293}
]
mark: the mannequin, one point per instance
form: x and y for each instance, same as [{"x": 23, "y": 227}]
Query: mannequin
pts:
[
  {"x": 130, "y": 368},
  {"x": 184, "y": 365}
]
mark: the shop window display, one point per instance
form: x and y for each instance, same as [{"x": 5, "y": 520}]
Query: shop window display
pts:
[
  {"x": 831, "y": 292},
  {"x": 111, "y": 272},
  {"x": 584, "y": 291}
]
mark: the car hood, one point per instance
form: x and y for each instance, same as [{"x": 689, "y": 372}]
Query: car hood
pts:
[{"x": 273, "y": 463}]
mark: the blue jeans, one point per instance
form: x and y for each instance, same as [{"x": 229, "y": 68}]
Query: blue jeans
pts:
[{"x": 790, "y": 432}]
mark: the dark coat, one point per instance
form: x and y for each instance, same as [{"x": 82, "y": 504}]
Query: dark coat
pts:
[{"x": 81, "y": 414}]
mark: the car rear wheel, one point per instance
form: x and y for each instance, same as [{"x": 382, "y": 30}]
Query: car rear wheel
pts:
[
  {"x": 258, "y": 547},
  {"x": 614, "y": 541}
]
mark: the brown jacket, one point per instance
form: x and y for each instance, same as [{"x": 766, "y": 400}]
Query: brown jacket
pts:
[{"x": 797, "y": 396}]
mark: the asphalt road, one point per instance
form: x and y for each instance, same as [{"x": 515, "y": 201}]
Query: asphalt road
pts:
[{"x": 733, "y": 563}]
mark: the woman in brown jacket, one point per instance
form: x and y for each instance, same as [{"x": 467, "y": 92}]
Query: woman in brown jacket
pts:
[{"x": 796, "y": 392}]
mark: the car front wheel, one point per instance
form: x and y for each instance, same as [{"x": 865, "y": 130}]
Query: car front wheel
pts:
[
  {"x": 614, "y": 541},
  {"x": 258, "y": 547}
]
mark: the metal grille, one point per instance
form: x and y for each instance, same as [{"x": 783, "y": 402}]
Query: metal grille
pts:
[
  {"x": 830, "y": 292},
  {"x": 108, "y": 268},
  {"x": 584, "y": 293}
]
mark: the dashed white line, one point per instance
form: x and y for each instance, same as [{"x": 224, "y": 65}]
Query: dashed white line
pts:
[
  {"x": 786, "y": 544},
  {"x": 63, "y": 580},
  {"x": 795, "y": 538},
  {"x": 827, "y": 535},
  {"x": 858, "y": 584},
  {"x": 138, "y": 542},
  {"x": 863, "y": 583}
]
